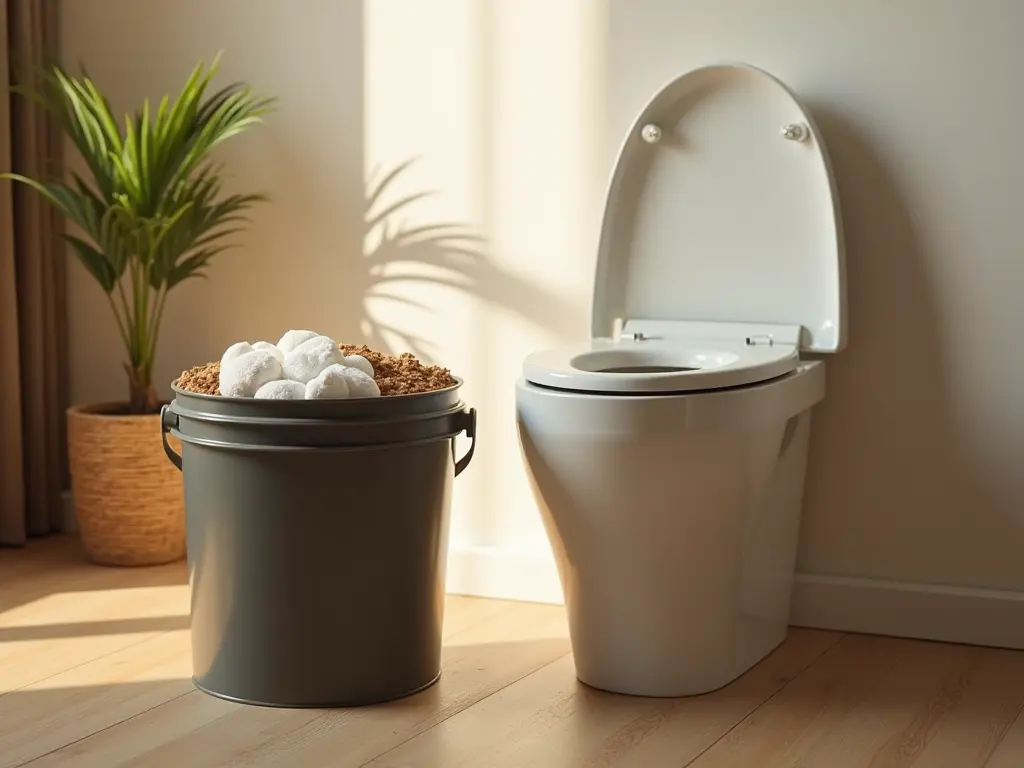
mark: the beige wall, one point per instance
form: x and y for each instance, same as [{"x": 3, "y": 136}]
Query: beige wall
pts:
[
  {"x": 501, "y": 103},
  {"x": 292, "y": 264},
  {"x": 515, "y": 107},
  {"x": 917, "y": 455}
]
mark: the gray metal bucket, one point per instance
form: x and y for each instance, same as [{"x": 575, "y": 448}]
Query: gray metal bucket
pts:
[{"x": 317, "y": 539}]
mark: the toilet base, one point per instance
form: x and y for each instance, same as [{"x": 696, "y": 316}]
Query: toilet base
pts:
[
  {"x": 674, "y": 523},
  {"x": 624, "y": 681}
]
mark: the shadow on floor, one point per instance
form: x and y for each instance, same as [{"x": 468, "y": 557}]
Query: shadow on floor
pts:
[{"x": 68, "y": 631}]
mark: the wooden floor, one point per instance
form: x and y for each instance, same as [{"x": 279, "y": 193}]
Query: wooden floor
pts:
[{"x": 95, "y": 671}]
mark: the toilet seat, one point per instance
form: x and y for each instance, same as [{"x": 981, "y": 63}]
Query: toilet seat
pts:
[
  {"x": 627, "y": 366},
  {"x": 720, "y": 245}
]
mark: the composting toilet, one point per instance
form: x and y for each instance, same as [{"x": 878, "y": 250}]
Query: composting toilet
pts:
[{"x": 667, "y": 454}]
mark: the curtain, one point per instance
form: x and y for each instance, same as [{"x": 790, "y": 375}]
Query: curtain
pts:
[{"x": 33, "y": 331}]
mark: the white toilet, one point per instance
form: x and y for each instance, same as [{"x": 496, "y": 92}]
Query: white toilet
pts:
[{"x": 668, "y": 453}]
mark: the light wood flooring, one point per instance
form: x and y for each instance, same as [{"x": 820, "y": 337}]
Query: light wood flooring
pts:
[{"x": 95, "y": 671}]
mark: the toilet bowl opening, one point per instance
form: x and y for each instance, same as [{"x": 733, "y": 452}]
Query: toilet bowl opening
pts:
[
  {"x": 645, "y": 369},
  {"x": 651, "y": 362}
]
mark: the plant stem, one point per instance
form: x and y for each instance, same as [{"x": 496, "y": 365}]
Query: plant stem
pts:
[
  {"x": 120, "y": 324},
  {"x": 138, "y": 326},
  {"x": 154, "y": 328},
  {"x": 127, "y": 312},
  {"x": 143, "y": 397},
  {"x": 135, "y": 334},
  {"x": 144, "y": 291}
]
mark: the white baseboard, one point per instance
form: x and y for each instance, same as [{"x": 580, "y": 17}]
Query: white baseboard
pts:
[
  {"x": 929, "y": 612},
  {"x": 923, "y": 611},
  {"x": 503, "y": 575}
]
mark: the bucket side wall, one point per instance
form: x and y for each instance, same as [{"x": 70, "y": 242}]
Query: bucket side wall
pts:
[{"x": 317, "y": 576}]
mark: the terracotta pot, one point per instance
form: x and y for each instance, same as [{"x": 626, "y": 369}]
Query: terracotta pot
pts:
[{"x": 129, "y": 500}]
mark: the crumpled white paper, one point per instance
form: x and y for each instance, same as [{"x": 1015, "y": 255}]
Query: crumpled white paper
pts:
[
  {"x": 236, "y": 350},
  {"x": 306, "y": 361},
  {"x": 266, "y": 346},
  {"x": 331, "y": 383},
  {"x": 292, "y": 339},
  {"x": 359, "y": 384},
  {"x": 359, "y": 362},
  {"x": 282, "y": 389},
  {"x": 302, "y": 365},
  {"x": 241, "y": 374}
]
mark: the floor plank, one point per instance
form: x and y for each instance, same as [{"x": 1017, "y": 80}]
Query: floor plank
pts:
[
  {"x": 36, "y": 556},
  {"x": 198, "y": 731},
  {"x": 991, "y": 694},
  {"x": 80, "y": 702},
  {"x": 59, "y": 565},
  {"x": 883, "y": 702},
  {"x": 95, "y": 672},
  {"x": 1009, "y": 752},
  {"x": 549, "y": 718},
  {"x": 64, "y": 628}
]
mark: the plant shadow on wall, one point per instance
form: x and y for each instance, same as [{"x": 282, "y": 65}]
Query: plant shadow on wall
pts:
[
  {"x": 892, "y": 484},
  {"x": 390, "y": 243},
  {"x": 444, "y": 254}
]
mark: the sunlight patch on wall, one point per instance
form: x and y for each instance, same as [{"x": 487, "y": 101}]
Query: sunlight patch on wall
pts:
[{"x": 501, "y": 102}]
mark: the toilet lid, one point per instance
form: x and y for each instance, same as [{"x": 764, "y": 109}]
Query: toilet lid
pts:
[{"x": 717, "y": 213}]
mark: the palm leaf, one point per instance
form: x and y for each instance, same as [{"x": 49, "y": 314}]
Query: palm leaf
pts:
[
  {"x": 151, "y": 209},
  {"x": 68, "y": 202},
  {"x": 94, "y": 262},
  {"x": 192, "y": 266}
]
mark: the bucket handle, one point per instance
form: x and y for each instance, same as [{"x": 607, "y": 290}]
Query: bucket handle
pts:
[
  {"x": 169, "y": 421},
  {"x": 469, "y": 426}
]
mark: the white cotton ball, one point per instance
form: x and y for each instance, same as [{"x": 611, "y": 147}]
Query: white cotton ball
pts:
[
  {"x": 236, "y": 350},
  {"x": 266, "y": 346},
  {"x": 306, "y": 361},
  {"x": 283, "y": 389},
  {"x": 359, "y": 384},
  {"x": 330, "y": 384},
  {"x": 358, "y": 362},
  {"x": 241, "y": 376},
  {"x": 292, "y": 339}
]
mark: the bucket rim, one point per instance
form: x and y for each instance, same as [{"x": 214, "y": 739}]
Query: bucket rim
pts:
[{"x": 202, "y": 396}]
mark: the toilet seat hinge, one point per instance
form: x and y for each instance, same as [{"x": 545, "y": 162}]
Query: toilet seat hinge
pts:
[{"x": 704, "y": 332}]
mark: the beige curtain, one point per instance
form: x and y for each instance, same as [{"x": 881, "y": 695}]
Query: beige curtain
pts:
[{"x": 33, "y": 345}]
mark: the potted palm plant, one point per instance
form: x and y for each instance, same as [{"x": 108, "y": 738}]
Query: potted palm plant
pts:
[{"x": 149, "y": 212}]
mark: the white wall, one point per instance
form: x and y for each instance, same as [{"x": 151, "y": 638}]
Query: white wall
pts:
[{"x": 515, "y": 107}]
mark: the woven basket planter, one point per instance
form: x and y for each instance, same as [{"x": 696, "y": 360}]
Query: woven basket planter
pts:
[{"x": 129, "y": 500}]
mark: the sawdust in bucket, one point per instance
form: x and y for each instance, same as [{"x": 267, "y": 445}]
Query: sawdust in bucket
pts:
[{"x": 395, "y": 375}]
